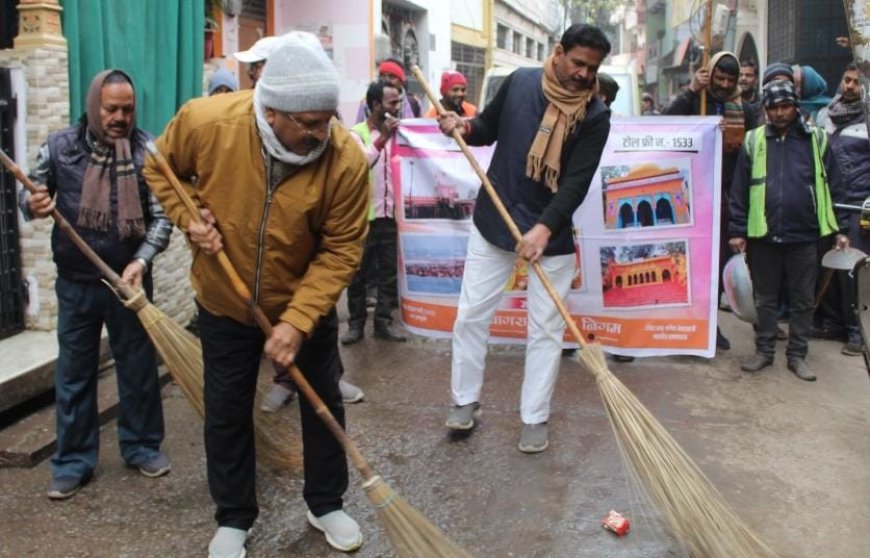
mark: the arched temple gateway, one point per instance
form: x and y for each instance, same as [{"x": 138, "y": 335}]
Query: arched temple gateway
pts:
[{"x": 646, "y": 197}]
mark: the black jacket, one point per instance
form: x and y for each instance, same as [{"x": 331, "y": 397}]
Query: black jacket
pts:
[{"x": 512, "y": 119}]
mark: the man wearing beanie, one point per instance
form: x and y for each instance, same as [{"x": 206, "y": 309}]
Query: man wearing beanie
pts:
[
  {"x": 550, "y": 128},
  {"x": 453, "y": 89},
  {"x": 782, "y": 202},
  {"x": 778, "y": 71},
  {"x": 724, "y": 99},
  {"x": 391, "y": 71},
  {"x": 222, "y": 81},
  {"x": 283, "y": 188}
]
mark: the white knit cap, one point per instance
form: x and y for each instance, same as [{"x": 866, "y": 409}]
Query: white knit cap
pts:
[{"x": 298, "y": 77}]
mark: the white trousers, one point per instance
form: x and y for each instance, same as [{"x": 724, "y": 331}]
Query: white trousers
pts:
[{"x": 487, "y": 269}]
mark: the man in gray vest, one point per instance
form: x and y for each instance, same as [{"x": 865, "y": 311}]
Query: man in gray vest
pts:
[
  {"x": 91, "y": 173},
  {"x": 782, "y": 202},
  {"x": 550, "y": 127}
]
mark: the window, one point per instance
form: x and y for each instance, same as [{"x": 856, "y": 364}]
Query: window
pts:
[
  {"x": 541, "y": 53},
  {"x": 501, "y": 37},
  {"x": 530, "y": 48},
  {"x": 470, "y": 62},
  {"x": 518, "y": 43}
]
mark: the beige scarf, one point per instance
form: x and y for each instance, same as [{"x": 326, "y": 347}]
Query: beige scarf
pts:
[{"x": 565, "y": 111}]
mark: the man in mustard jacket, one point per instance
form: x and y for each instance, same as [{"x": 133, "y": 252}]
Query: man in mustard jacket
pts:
[{"x": 284, "y": 190}]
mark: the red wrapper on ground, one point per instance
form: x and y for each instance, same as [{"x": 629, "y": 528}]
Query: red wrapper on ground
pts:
[{"x": 617, "y": 523}]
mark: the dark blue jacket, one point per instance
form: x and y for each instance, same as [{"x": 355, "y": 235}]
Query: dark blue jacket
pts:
[
  {"x": 512, "y": 119},
  {"x": 789, "y": 203}
]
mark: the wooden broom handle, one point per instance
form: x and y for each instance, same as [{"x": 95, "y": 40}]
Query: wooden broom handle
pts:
[
  {"x": 126, "y": 291},
  {"x": 242, "y": 290},
  {"x": 515, "y": 231},
  {"x": 705, "y": 60}
]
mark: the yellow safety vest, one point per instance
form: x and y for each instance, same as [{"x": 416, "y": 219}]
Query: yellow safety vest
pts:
[{"x": 755, "y": 145}]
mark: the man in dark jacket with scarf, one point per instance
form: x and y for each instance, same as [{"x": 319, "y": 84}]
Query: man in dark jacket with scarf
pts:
[
  {"x": 724, "y": 98},
  {"x": 782, "y": 203},
  {"x": 550, "y": 127},
  {"x": 91, "y": 173},
  {"x": 846, "y": 124}
]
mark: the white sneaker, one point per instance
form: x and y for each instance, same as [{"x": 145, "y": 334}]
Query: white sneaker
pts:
[
  {"x": 277, "y": 397},
  {"x": 228, "y": 542},
  {"x": 350, "y": 393},
  {"x": 342, "y": 532}
]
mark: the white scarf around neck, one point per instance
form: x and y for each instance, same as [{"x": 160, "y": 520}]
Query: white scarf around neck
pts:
[{"x": 274, "y": 146}]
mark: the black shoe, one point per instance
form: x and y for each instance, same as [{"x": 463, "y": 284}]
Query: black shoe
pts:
[
  {"x": 722, "y": 342},
  {"x": 388, "y": 333},
  {"x": 354, "y": 335},
  {"x": 801, "y": 370},
  {"x": 623, "y": 358}
]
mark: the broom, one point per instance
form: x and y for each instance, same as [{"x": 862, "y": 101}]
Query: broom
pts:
[
  {"x": 692, "y": 508},
  {"x": 178, "y": 348},
  {"x": 411, "y": 534}
]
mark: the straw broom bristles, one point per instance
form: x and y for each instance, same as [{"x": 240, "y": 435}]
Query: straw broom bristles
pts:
[
  {"x": 181, "y": 352},
  {"x": 179, "y": 349},
  {"x": 693, "y": 510},
  {"x": 411, "y": 534}
]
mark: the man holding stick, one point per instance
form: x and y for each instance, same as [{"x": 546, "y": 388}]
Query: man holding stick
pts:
[
  {"x": 284, "y": 192},
  {"x": 551, "y": 128},
  {"x": 91, "y": 172}
]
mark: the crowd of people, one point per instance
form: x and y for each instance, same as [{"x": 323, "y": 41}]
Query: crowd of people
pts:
[{"x": 302, "y": 204}]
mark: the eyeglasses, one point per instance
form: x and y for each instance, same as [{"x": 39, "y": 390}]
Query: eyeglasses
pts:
[{"x": 307, "y": 128}]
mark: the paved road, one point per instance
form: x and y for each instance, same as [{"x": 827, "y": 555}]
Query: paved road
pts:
[{"x": 790, "y": 456}]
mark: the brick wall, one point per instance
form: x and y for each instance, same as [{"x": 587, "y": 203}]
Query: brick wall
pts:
[{"x": 47, "y": 110}]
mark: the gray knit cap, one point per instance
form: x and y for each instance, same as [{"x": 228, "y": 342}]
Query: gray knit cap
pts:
[{"x": 298, "y": 78}]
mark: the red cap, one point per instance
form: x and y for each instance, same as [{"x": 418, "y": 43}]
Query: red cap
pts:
[
  {"x": 390, "y": 67},
  {"x": 449, "y": 79}
]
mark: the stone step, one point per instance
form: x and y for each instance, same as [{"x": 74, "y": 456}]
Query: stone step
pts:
[{"x": 30, "y": 440}]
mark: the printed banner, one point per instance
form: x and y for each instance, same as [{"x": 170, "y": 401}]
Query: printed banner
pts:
[{"x": 646, "y": 237}]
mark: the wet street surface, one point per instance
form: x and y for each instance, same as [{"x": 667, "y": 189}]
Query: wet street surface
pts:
[{"x": 790, "y": 456}]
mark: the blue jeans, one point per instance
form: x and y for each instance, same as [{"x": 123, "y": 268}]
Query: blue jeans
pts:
[{"x": 83, "y": 308}]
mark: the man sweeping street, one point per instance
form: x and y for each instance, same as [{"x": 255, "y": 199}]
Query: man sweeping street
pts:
[
  {"x": 284, "y": 192},
  {"x": 91, "y": 172},
  {"x": 550, "y": 127}
]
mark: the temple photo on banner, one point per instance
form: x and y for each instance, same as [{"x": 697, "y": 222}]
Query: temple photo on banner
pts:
[
  {"x": 644, "y": 275},
  {"x": 647, "y": 195}
]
